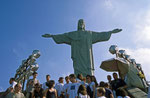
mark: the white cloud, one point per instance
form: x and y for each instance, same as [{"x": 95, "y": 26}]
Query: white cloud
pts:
[
  {"x": 142, "y": 26},
  {"x": 141, "y": 38},
  {"x": 108, "y": 4}
]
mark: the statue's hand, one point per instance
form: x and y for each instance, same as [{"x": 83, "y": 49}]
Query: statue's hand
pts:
[
  {"x": 47, "y": 35},
  {"x": 116, "y": 30}
]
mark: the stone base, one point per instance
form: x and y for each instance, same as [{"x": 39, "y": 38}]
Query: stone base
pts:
[{"x": 136, "y": 93}]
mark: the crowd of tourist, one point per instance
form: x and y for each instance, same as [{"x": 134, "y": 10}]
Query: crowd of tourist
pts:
[{"x": 73, "y": 87}]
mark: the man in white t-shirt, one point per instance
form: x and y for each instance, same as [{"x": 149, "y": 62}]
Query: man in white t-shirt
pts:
[
  {"x": 59, "y": 86},
  {"x": 44, "y": 86},
  {"x": 11, "y": 88},
  {"x": 12, "y": 82},
  {"x": 73, "y": 88},
  {"x": 66, "y": 86}
]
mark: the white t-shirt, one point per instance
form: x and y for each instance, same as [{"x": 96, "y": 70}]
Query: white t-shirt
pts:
[
  {"x": 83, "y": 96},
  {"x": 73, "y": 90},
  {"x": 59, "y": 88},
  {"x": 13, "y": 84},
  {"x": 44, "y": 86}
]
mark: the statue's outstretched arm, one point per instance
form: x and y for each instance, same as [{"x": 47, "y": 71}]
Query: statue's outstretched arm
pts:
[
  {"x": 116, "y": 30},
  {"x": 47, "y": 35},
  {"x": 103, "y": 36},
  {"x": 59, "y": 38}
]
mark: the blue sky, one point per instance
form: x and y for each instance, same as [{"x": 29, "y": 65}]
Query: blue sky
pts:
[{"x": 22, "y": 22}]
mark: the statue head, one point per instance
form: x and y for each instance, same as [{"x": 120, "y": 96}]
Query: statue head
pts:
[{"x": 81, "y": 25}]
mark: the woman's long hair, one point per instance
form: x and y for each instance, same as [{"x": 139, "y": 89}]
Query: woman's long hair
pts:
[
  {"x": 82, "y": 90},
  {"x": 50, "y": 84}
]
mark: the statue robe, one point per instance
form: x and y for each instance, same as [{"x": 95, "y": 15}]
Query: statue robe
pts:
[
  {"x": 81, "y": 48},
  {"x": 133, "y": 80}
]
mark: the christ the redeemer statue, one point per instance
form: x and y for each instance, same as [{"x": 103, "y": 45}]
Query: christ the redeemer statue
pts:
[{"x": 81, "y": 46}]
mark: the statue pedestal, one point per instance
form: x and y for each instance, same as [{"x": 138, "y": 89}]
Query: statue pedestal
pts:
[{"x": 136, "y": 93}]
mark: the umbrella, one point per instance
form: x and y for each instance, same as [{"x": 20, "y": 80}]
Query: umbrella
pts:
[{"x": 115, "y": 64}]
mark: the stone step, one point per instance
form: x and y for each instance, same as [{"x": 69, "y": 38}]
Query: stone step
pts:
[{"x": 136, "y": 93}]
